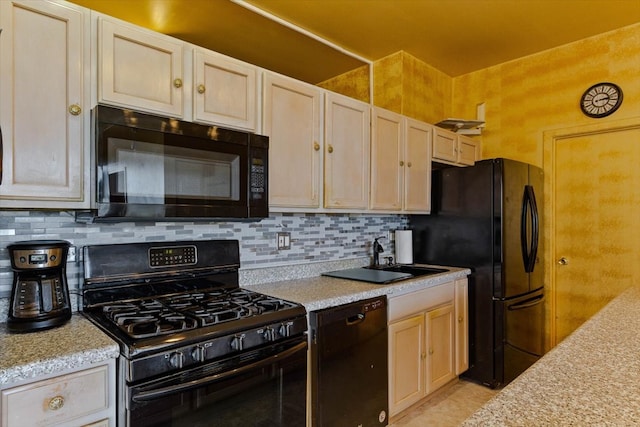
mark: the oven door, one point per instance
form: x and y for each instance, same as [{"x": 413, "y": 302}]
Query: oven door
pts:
[{"x": 266, "y": 387}]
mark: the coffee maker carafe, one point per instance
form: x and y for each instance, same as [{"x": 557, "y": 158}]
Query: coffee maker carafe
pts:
[{"x": 40, "y": 294}]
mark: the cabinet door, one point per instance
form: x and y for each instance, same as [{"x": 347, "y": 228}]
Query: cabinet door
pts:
[
  {"x": 445, "y": 145},
  {"x": 44, "y": 111},
  {"x": 462, "y": 325},
  {"x": 386, "y": 155},
  {"x": 440, "y": 347},
  {"x": 225, "y": 91},
  {"x": 417, "y": 166},
  {"x": 406, "y": 363},
  {"x": 292, "y": 115},
  {"x": 468, "y": 150},
  {"x": 139, "y": 69},
  {"x": 346, "y": 161}
]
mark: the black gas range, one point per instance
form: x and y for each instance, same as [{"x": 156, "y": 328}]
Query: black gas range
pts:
[{"x": 187, "y": 330}]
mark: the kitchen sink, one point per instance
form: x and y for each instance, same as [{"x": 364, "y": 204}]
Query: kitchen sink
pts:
[
  {"x": 385, "y": 273},
  {"x": 413, "y": 270}
]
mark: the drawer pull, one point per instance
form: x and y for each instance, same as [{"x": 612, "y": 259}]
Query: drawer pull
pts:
[{"x": 56, "y": 403}]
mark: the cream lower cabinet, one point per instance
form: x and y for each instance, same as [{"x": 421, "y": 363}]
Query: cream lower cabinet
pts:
[
  {"x": 44, "y": 112},
  {"x": 291, "y": 118},
  {"x": 400, "y": 163},
  {"x": 423, "y": 343},
  {"x": 83, "y": 398},
  {"x": 346, "y": 152},
  {"x": 462, "y": 325},
  {"x": 452, "y": 148}
]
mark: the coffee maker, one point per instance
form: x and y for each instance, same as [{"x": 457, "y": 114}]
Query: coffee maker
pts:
[{"x": 40, "y": 294}]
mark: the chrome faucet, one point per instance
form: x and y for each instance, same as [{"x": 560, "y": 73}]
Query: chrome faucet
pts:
[{"x": 377, "y": 250}]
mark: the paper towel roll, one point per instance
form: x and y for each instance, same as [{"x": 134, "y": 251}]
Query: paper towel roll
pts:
[{"x": 404, "y": 246}]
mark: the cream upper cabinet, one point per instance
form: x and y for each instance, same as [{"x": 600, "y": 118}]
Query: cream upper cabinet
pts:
[
  {"x": 400, "y": 163},
  {"x": 44, "y": 105},
  {"x": 387, "y": 153},
  {"x": 346, "y": 152},
  {"x": 468, "y": 150},
  {"x": 292, "y": 113},
  {"x": 462, "y": 325},
  {"x": 139, "y": 69},
  {"x": 225, "y": 90},
  {"x": 423, "y": 342},
  {"x": 417, "y": 167},
  {"x": 452, "y": 148}
]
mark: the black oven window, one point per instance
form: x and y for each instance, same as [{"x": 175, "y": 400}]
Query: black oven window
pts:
[{"x": 270, "y": 396}]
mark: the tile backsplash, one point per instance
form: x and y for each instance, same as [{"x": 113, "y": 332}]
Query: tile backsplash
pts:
[{"x": 314, "y": 237}]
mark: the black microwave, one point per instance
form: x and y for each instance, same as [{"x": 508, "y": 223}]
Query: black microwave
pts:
[{"x": 149, "y": 167}]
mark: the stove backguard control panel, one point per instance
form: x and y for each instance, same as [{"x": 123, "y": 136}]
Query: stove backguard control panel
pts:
[{"x": 172, "y": 255}]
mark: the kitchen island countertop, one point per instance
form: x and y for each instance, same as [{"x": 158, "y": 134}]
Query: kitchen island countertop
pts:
[
  {"x": 317, "y": 293},
  {"x": 591, "y": 378},
  {"x": 76, "y": 344}
]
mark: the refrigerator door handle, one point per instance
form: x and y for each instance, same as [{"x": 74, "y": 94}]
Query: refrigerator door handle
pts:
[
  {"x": 527, "y": 303},
  {"x": 529, "y": 229}
]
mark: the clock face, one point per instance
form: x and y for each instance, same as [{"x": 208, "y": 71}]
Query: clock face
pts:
[{"x": 601, "y": 99}]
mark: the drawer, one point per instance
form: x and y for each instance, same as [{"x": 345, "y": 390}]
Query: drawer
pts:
[
  {"x": 415, "y": 302},
  {"x": 56, "y": 400}
]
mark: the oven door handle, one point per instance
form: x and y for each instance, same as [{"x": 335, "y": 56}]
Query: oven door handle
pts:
[{"x": 146, "y": 396}]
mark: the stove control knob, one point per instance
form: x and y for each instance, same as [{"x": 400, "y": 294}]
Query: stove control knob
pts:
[
  {"x": 269, "y": 334},
  {"x": 285, "y": 329},
  {"x": 175, "y": 359},
  {"x": 237, "y": 342},
  {"x": 198, "y": 353}
]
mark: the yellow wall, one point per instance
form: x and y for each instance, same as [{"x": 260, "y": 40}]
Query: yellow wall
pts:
[
  {"x": 541, "y": 92},
  {"x": 406, "y": 85}
]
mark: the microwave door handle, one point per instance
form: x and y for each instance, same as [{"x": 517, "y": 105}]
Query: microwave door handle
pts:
[{"x": 190, "y": 385}]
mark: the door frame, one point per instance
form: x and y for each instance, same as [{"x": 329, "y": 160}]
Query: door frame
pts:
[{"x": 551, "y": 138}]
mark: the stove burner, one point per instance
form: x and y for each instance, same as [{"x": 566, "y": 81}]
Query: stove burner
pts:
[{"x": 174, "y": 313}]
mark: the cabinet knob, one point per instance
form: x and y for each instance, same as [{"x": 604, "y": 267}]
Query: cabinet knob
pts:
[
  {"x": 408, "y": 164},
  {"x": 56, "y": 403},
  {"x": 563, "y": 261},
  {"x": 330, "y": 149},
  {"x": 423, "y": 356},
  {"x": 430, "y": 351},
  {"x": 201, "y": 89},
  {"x": 460, "y": 319},
  {"x": 75, "y": 109},
  {"x": 316, "y": 146},
  {"x": 401, "y": 163},
  {"x": 177, "y": 83}
]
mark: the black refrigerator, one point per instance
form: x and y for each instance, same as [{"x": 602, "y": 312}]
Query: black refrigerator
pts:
[{"x": 487, "y": 217}]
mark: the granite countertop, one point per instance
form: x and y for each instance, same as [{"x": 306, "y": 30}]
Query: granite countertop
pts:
[
  {"x": 317, "y": 293},
  {"x": 590, "y": 378},
  {"x": 26, "y": 356}
]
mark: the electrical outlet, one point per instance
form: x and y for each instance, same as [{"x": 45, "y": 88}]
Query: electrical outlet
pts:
[
  {"x": 71, "y": 255},
  {"x": 284, "y": 240}
]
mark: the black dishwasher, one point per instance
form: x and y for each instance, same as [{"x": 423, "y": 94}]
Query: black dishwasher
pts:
[{"x": 349, "y": 378}]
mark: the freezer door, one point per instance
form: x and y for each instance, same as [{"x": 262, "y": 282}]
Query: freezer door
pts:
[{"x": 523, "y": 325}]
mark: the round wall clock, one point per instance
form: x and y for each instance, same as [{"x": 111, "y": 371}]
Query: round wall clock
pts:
[{"x": 601, "y": 100}]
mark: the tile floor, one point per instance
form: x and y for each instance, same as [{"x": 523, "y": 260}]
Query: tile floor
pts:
[{"x": 449, "y": 408}]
